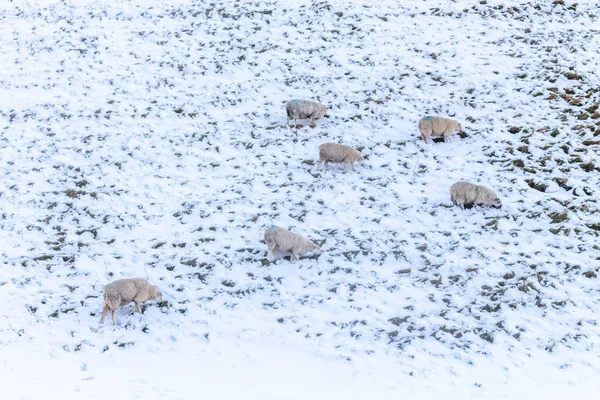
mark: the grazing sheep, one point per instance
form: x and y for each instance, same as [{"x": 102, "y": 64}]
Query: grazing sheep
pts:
[
  {"x": 124, "y": 291},
  {"x": 279, "y": 239},
  {"x": 438, "y": 126},
  {"x": 302, "y": 109},
  {"x": 334, "y": 152},
  {"x": 467, "y": 195}
]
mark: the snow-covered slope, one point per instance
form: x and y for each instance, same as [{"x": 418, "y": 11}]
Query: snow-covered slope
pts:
[{"x": 149, "y": 138}]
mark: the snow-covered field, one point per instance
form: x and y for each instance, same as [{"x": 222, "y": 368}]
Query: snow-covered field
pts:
[{"x": 148, "y": 138}]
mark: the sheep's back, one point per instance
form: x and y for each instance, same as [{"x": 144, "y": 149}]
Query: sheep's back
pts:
[
  {"x": 462, "y": 189},
  {"x": 300, "y": 108},
  {"x": 123, "y": 290},
  {"x": 439, "y": 125},
  {"x": 284, "y": 239},
  {"x": 333, "y": 151}
]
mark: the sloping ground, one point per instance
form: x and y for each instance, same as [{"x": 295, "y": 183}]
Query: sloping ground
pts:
[{"x": 150, "y": 139}]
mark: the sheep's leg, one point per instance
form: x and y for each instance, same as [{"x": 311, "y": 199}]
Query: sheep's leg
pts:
[
  {"x": 447, "y": 134},
  {"x": 347, "y": 161},
  {"x": 271, "y": 247},
  {"x": 295, "y": 256},
  {"x": 327, "y": 165},
  {"x": 425, "y": 134},
  {"x": 114, "y": 316},
  {"x": 296, "y": 250},
  {"x": 319, "y": 164},
  {"x": 311, "y": 119},
  {"x": 138, "y": 306},
  {"x": 104, "y": 312}
]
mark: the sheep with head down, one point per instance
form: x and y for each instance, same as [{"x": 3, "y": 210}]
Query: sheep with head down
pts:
[
  {"x": 338, "y": 153},
  {"x": 124, "y": 291},
  {"x": 438, "y": 126},
  {"x": 304, "y": 109},
  {"x": 282, "y": 240},
  {"x": 467, "y": 195}
]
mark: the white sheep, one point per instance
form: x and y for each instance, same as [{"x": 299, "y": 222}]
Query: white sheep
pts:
[
  {"x": 282, "y": 240},
  {"x": 467, "y": 195},
  {"x": 302, "y": 109},
  {"x": 438, "y": 126},
  {"x": 338, "y": 153},
  {"x": 124, "y": 291}
]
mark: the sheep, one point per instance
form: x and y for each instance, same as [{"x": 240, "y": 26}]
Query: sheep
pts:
[
  {"x": 124, "y": 291},
  {"x": 334, "y": 152},
  {"x": 279, "y": 239},
  {"x": 438, "y": 126},
  {"x": 467, "y": 195},
  {"x": 301, "y": 109}
]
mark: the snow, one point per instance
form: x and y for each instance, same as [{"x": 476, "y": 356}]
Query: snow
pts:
[{"x": 149, "y": 138}]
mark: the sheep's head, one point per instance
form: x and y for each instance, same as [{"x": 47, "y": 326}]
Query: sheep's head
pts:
[
  {"x": 315, "y": 249},
  {"x": 322, "y": 111},
  {"x": 496, "y": 203},
  {"x": 359, "y": 158},
  {"x": 155, "y": 293},
  {"x": 487, "y": 197},
  {"x": 493, "y": 200}
]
